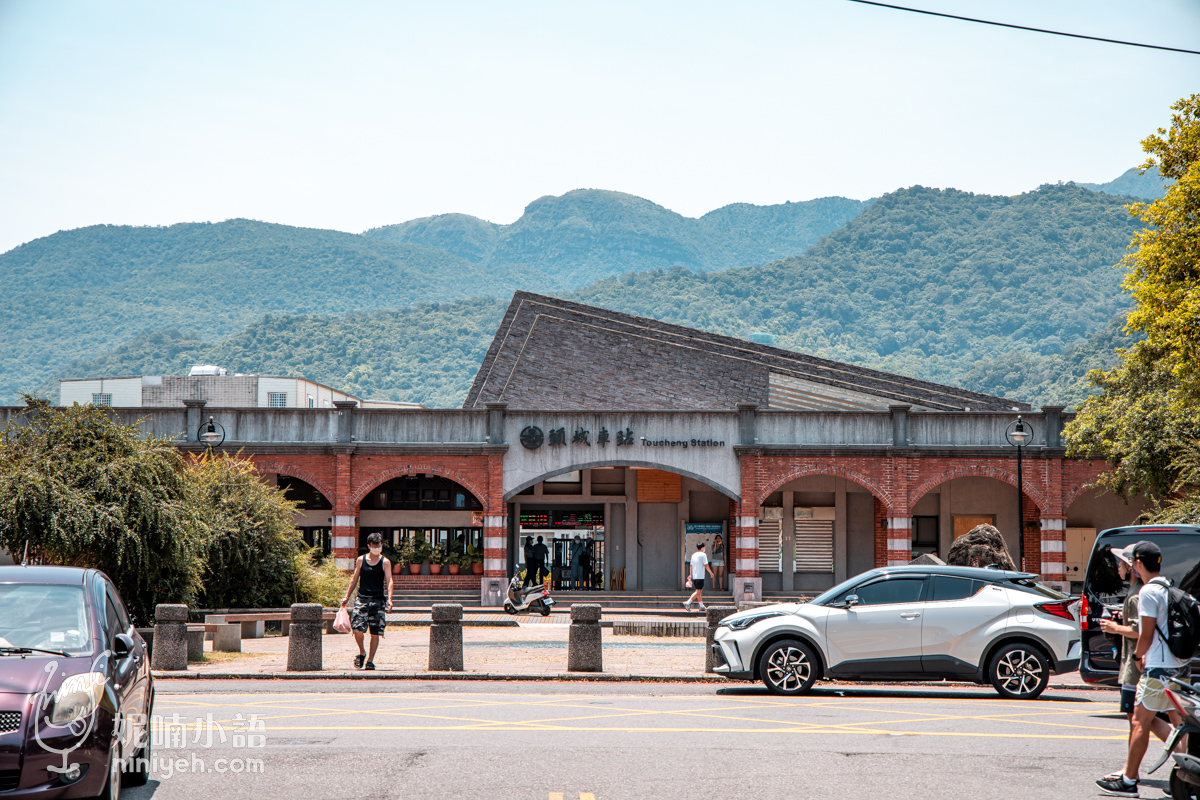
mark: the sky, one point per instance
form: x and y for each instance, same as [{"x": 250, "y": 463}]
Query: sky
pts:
[{"x": 357, "y": 114}]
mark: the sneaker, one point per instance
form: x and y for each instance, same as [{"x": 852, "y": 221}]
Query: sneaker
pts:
[
  {"x": 371, "y": 665},
  {"x": 687, "y": 606},
  {"x": 358, "y": 661},
  {"x": 1117, "y": 787},
  {"x": 703, "y": 607}
]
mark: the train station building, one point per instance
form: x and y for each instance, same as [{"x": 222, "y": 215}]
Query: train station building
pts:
[{"x": 642, "y": 438}]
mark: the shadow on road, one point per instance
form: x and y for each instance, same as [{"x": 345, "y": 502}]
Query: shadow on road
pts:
[{"x": 922, "y": 692}]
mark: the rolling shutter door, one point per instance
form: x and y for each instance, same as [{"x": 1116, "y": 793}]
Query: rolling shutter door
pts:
[
  {"x": 814, "y": 545},
  {"x": 770, "y": 551}
]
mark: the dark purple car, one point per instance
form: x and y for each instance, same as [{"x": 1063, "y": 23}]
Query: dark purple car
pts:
[{"x": 75, "y": 686}]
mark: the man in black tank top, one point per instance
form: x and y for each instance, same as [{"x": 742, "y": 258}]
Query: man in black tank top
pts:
[{"x": 373, "y": 577}]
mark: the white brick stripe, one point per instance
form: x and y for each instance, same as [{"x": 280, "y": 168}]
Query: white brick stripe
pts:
[
  {"x": 748, "y": 522},
  {"x": 1054, "y": 568},
  {"x": 493, "y": 542},
  {"x": 1054, "y": 546},
  {"x": 745, "y": 565},
  {"x": 897, "y": 562},
  {"x": 493, "y": 564},
  {"x": 496, "y": 521},
  {"x": 1054, "y": 524},
  {"x": 747, "y": 542},
  {"x": 344, "y": 521},
  {"x": 342, "y": 542},
  {"x": 901, "y": 523},
  {"x": 899, "y": 544}
]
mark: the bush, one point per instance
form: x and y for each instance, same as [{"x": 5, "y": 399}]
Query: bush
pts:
[{"x": 317, "y": 580}]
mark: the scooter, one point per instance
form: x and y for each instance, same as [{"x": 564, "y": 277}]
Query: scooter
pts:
[
  {"x": 535, "y": 598},
  {"x": 1185, "y": 775}
]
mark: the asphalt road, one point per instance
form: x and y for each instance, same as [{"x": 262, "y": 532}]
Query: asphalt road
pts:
[{"x": 479, "y": 741}]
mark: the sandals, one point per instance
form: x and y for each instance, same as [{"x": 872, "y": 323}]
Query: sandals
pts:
[
  {"x": 370, "y": 665},
  {"x": 358, "y": 661}
]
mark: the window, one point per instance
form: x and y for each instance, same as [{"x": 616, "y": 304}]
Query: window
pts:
[
  {"x": 102, "y": 399},
  {"x": 948, "y": 587},
  {"x": 276, "y": 399},
  {"x": 814, "y": 545},
  {"x": 312, "y": 401},
  {"x": 924, "y": 535},
  {"x": 896, "y": 590}
]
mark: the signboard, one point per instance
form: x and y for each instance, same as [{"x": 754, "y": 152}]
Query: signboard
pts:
[{"x": 696, "y": 532}]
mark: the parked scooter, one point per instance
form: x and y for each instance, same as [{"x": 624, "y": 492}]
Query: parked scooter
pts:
[
  {"x": 1185, "y": 775},
  {"x": 535, "y": 598}
]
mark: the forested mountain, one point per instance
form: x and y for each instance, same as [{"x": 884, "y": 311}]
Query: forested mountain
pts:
[
  {"x": 1130, "y": 184},
  {"x": 588, "y": 234},
  {"x": 1007, "y": 295}
]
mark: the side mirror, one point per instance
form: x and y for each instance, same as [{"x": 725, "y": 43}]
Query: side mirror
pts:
[
  {"x": 852, "y": 601},
  {"x": 122, "y": 645}
]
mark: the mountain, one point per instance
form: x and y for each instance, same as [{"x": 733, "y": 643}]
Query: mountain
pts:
[
  {"x": 588, "y": 234},
  {"x": 1130, "y": 184},
  {"x": 1006, "y": 295},
  {"x": 79, "y": 293}
]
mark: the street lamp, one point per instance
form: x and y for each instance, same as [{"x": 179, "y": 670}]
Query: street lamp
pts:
[
  {"x": 211, "y": 433},
  {"x": 1018, "y": 435}
]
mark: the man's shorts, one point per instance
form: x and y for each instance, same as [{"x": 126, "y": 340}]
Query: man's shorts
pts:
[
  {"x": 697, "y": 583},
  {"x": 1128, "y": 696},
  {"x": 369, "y": 614},
  {"x": 1152, "y": 689}
]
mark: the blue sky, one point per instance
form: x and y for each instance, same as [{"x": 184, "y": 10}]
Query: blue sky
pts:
[{"x": 354, "y": 115}]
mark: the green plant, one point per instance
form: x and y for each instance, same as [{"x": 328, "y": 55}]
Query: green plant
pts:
[
  {"x": 318, "y": 580},
  {"x": 473, "y": 556},
  {"x": 422, "y": 550}
]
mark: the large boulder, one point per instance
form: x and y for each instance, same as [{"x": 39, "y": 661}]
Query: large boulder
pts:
[{"x": 982, "y": 546}]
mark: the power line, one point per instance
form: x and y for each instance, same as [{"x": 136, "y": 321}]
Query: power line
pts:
[{"x": 1027, "y": 28}]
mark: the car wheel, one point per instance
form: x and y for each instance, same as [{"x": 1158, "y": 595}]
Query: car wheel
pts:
[
  {"x": 112, "y": 786},
  {"x": 138, "y": 773},
  {"x": 788, "y": 667},
  {"x": 1019, "y": 671}
]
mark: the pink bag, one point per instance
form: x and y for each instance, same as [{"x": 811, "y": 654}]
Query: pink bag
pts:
[
  {"x": 341, "y": 622},
  {"x": 688, "y": 583}
]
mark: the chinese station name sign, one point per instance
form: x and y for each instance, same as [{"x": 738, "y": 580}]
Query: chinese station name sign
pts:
[{"x": 532, "y": 437}]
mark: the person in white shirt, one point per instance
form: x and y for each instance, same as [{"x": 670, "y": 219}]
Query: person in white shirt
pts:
[
  {"x": 699, "y": 564},
  {"x": 1158, "y": 665}
]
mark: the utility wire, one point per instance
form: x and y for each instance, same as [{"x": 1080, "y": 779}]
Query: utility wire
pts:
[{"x": 1026, "y": 27}]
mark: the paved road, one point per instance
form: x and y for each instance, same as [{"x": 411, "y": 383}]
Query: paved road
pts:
[{"x": 478, "y": 740}]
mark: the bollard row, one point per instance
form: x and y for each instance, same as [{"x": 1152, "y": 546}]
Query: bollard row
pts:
[
  {"x": 446, "y": 637},
  {"x": 304, "y": 638},
  {"x": 585, "y": 652}
]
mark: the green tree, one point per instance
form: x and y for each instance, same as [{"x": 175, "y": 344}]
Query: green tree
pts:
[
  {"x": 1146, "y": 420},
  {"x": 84, "y": 490},
  {"x": 252, "y": 542}
]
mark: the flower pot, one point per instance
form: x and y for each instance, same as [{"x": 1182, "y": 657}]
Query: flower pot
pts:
[
  {"x": 477, "y": 569},
  {"x": 453, "y": 568},
  {"x": 435, "y": 569},
  {"x": 397, "y": 569},
  {"x": 414, "y": 569}
]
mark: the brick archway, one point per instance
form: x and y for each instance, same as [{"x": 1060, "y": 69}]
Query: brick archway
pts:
[
  {"x": 375, "y": 479},
  {"x": 294, "y": 472},
  {"x": 1031, "y": 489},
  {"x": 777, "y": 482}
]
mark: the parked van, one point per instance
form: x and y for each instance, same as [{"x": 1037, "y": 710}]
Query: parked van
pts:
[{"x": 1103, "y": 589}]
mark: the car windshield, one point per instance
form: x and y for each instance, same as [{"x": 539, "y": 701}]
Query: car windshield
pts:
[
  {"x": 833, "y": 594},
  {"x": 45, "y": 615},
  {"x": 1180, "y": 563}
]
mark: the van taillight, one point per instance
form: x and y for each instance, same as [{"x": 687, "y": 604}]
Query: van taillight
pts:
[
  {"x": 1085, "y": 622},
  {"x": 1061, "y": 609}
]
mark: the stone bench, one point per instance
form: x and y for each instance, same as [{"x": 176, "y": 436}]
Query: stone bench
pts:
[
  {"x": 254, "y": 624},
  {"x": 226, "y": 636}
]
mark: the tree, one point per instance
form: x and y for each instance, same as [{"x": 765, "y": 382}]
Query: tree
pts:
[
  {"x": 252, "y": 542},
  {"x": 1146, "y": 420},
  {"x": 83, "y": 490}
]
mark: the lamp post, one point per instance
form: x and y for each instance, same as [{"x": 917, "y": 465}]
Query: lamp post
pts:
[
  {"x": 1018, "y": 435},
  {"x": 212, "y": 433}
]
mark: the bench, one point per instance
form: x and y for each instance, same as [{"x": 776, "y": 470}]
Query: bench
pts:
[
  {"x": 254, "y": 624},
  {"x": 226, "y": 636}
]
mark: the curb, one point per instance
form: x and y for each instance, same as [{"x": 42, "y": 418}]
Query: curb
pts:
[{"x": 594, "y": 677}]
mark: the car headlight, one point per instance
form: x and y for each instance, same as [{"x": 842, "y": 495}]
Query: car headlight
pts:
[
  {"x": 741, "y": 623},
  {"x": 78, "y": 696}
]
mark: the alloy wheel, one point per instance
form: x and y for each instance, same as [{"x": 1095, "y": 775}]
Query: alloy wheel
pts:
[
  {"x": 1019, "y": 672},
  {"x": 789, "y": 668}
]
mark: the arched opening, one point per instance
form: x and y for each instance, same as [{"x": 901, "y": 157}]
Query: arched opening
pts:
[
  {"x": 816, "y": 530},
  {"x": 629, "y": 524},
  {"x": 430, "y": 510},
  {"x": 1088, "y": 513},
  {"x": 313, "y": 517},
  {"x": 953, "y": 507}
]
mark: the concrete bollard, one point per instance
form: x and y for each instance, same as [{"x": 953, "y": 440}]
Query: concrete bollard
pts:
[
  {"x": 585, "y": 651},
  {"x": 170, "y": 637},
  {"x": 195, "y": 643},
  {"x": 227, "y": 638},
  {"x": 445, "y": 637},
  {"x": 713, "y": 615},
  {"x": 304, "y": 639}
]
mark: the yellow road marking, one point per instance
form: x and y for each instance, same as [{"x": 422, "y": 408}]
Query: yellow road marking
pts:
[{"x": 556, "y": 796}]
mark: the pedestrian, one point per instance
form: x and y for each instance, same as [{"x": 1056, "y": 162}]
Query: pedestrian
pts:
[
  {"x": 530, "y": 558},
  {"x": 373, "y": 577},
  {"x": 1157, "y": 663},
  {"x": 1130, "y": 673},
  {"x": 585, "y": 561},
  {"x": 699, "y": 564},
  {"x": 542, "y": 554},
  {"x": 718, "y": 563},
  {"x": 577, "y": 548}
]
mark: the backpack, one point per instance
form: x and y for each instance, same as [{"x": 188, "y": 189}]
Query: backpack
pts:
[{"x": 1183, "y": 621}]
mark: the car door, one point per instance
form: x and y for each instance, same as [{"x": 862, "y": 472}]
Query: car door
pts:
[
  {"x": 962, "y": 616},
  {"x": 882, "y": 633},
  {"x": 128, "y": 674}
]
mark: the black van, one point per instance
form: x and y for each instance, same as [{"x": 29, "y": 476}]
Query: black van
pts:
[{"x": 1102, "y": 586}]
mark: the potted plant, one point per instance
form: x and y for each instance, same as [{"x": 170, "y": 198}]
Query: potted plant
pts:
[
  {"x": 409, "y": 556},
  {"x": 395, "y": 555},
  {"x": 436, "y": 557},
  {"x": 454, "y": 562},
  {"x": 475, "y": 559}
]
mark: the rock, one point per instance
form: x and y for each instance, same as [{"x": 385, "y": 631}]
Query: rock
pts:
[
  {"x": 585, "y": 650},
  {"x": 982, "y": 546},
  {"x": 927, "y": 559},
  {"x": 445, "y": 637},
  {"x": 304, "y": 639},
  {"x": 714, "y": 614}
]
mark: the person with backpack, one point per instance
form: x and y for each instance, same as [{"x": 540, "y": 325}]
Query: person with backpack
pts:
[{"x": 1163, "y": 629}]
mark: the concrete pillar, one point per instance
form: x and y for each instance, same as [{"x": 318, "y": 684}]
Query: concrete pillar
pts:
[
  {"x": 633, "y": 539},
  {"x": 713, "y": 615},
  {"x": 170, "y": 637},
  {"x": 345, "y": 422},
  {"x": 304, "y": 640},
  {"x": 1054, "y": 553},
  {"x": 747, "y": 426},
  {"x": 899, "y": 540},
  {"x": 227, "y": 638},
  {"x": 900, "y": 435},
  {"x": 195, "y": 643},
  {"x": 1053, "y": 425},
  {"x": 193, "y": 416},
  {"x": 841, "y": 513},
  {"x": 585, "y": 650},
  {"x": 495, "y": 426},
  {"x": 446, "y": 637},
  {"x": 788, "y": 543}
]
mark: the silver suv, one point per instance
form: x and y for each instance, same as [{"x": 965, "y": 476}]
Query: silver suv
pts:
[{"x": 909, "y": 623}]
